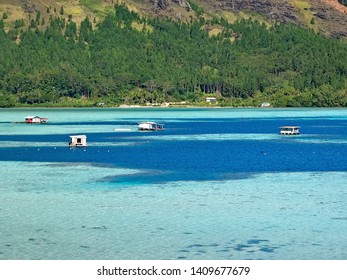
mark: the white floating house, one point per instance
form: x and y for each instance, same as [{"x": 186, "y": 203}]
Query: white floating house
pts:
[
  {"x": 78, "y": 141},
  {"x": 150, "y": 126},
  {"x": 35, "y": 119},
  {"x": 290, "y": 130}
]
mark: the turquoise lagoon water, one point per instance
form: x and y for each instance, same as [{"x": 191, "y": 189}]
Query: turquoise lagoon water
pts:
[{"x": 216, "y": 184}]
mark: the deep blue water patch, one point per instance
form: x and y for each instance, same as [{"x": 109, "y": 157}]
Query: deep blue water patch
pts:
[{"x": 319, "y": 148}]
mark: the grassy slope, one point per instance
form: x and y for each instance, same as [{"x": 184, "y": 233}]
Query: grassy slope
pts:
[{"x": 78, "y": 9}]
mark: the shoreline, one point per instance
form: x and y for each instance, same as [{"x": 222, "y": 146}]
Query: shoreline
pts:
[{"x": 167, "y": 107}]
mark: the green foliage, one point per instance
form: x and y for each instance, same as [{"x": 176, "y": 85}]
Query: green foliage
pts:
[
  {"x": 196, "y": 8},
  {"x": 7, "y": 101},
  {"x": 18, "y": 23},
  {"x": 71, "y": 30},
  {"x": 33, "y": 24},
  {"x": 38, "y": 17},
  {"x": 86, "y": 30},
  {"x": 246, "y": 64}
]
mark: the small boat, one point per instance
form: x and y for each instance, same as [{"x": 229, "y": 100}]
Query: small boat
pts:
[
  {"x": 150, "y": 126},
  {"x": 290, "y": 130},
  {"x": 78, "y": 141}
]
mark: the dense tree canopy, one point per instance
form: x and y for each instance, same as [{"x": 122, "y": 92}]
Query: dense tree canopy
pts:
[{"x": 132, "y": 59}]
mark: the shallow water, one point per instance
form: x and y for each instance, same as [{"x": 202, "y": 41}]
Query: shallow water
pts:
[{"x": 216, "y": 184}]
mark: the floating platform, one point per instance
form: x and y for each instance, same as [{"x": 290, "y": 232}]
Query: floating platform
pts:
[
  {"x": 290, "y": 130},
  {"x": 78, "y": 141},
  {"x": 148, "y": 126}
]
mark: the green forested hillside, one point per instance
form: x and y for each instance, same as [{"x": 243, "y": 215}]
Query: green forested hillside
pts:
[{"x": 136, "y": 60}]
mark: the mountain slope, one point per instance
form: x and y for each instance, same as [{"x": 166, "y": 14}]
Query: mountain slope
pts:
[
  {"x": 133, "y": 59},
  {"x": 326, "y": 16}
]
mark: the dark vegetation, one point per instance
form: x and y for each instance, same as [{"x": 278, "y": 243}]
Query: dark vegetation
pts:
[{"x": 137, "y": 60}]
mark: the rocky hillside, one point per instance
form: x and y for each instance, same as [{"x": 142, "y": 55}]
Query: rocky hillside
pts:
[{"x": 326, "y": 16}]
